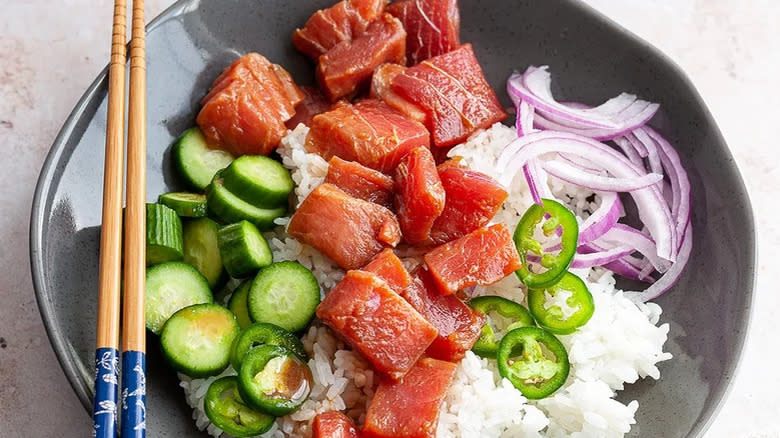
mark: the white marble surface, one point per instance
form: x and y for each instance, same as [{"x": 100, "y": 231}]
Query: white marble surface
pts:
[{"x": 49, "y": 54}]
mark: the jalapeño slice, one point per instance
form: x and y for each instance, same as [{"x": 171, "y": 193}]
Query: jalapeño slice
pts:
[{"x": 534, "y": 360}]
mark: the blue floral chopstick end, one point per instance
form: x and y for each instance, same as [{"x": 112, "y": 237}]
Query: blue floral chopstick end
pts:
[
  {"x": 104, "y": 409},
  {"x": 133, "y": 394}
]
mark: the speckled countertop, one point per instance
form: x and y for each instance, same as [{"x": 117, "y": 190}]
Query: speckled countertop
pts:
[{"x": 48, "y": 57}]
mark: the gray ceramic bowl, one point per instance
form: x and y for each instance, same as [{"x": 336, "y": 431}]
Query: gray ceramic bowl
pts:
[{"x": 592, "y": 59}]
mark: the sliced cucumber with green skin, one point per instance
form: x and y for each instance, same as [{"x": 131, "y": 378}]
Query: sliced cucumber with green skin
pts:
[
  {"x": 185, "y": 204},
  {"x": 195, "y": 161},
  {"x": 197, "y": 340},
  {"x": 263, "y": 333},
  {"x": 171, "y": 287},
  {"x": 244, "y": 250},
  {"x": 230, "y": 209},
  {"x": 259, "y": 180},
  {"x": 285, "y": 294},
  {"x": 163, "y": 235},
  {"x": 237, "y": 304},
  {"x": 201, "y": 250}
]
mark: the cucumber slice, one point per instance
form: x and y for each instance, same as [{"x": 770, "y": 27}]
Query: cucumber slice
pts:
[
  {"x": 163, "y": 235},
  {"x": 237, "y": 304},
  {"x": 195, "y": 161},
  {"x": 285, "y": 294},
  {"x": 202, "y": 251},
  {"x": 259, "y": 180},
  {"x": 185, "y": 204},
  {"x": 197, "y": 340},
  {"x": 244, "y": 250},
  {"x": 231, "y": 209},
  {"x": 171, "y": 287}
]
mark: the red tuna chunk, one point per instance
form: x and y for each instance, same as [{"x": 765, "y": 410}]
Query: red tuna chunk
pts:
[
  {"x": 410, "y": 408},
  {"x": 369, "y": 132},
  {"x": 360, "y": 181},
  {"x": 348, "y": 230},
  {"x": 313, "y": 103},
  {"x": 473, "y": 198},
  {"x": 343, "y": 21},
  {"x": 453, "y": 92},
  {"x": 247, "y": 106},
  {"x": 346, "y": 68},
  {"x": 419, "y": 195},
  {"x": 377, "y": 322},
  {"x": 482, "y": 257},
  {"x": 333, "y": 424},
  {"x": 432, "y": 27},
  {"x": 459, "y": 326},
  {"x": 387, "y": 266},
  {"x": 382, "y": 88}
]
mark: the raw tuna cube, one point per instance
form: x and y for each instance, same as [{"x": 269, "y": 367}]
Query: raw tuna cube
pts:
[
  {"x": 348, "y": 230},
  {"x": 313, "y": 103},
  {"x": 346, "y": 68},
  {"x": 410, "y": 408},
  {"x": 473, "y": 198},
  {"x": 382, "y": 88},
  {"x": 360, "y": 181},
  {"x": 453, "y": 92},
  {"x": 247, "y": 106},
  {"x": 377, "y": 322},
  {"x": 343, "y": 21},
  {"x": 333, "y": 424},
  {"x": 369, "y": 132},
  {"x": 482, "y": 257},
  {"x": 459, "y": 326},
  {"x": 432, "y": 27},
  {"x": 387, "y": 266},
  {"x": 419, "y": 195}
]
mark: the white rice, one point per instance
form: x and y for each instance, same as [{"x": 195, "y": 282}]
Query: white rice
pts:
[{"x": 620, "y": 344}]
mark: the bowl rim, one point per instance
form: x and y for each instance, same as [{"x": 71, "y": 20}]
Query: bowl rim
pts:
[{"x": 69, "y": 363}]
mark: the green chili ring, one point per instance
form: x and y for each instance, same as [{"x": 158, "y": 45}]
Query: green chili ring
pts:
[
  {"x": 555, "y": 216},
  {"x": 487, "y": 344},
  {"x": 225, "y": 408},
  {"x": 262, "y": 333},
  {"x": 529, "y": 367},
  {"x": 552, "y": 318},
  {"x": 274, "y": 380}
]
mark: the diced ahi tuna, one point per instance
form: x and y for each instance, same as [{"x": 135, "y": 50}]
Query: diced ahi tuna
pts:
[
  {"x": 346, "y": 68},
  {"x": 432, "y": 27},
  {"x": 333, "y": 424},
  {"x": 453, "y": 92},
  {"x": 343, "y": 21},
  {"x": 482, "y": 257},
  {"x": 369, "y": 132},
  {"x": 387, "y": 266},
  {"x": 313, "y": 103},
  {"x": 410, "y": 408},
  {"x": 360, "y": 181},
  {"x": 459, "y": 326},
  {"x": 419, "y": 195},
  {"x": 377, "y": 322},
  {"x": 382, "y": 88},
  {"x": 473, "y": 198},
  {"x": 348, "y": 230},
  {"x": 247, "y": 106}
]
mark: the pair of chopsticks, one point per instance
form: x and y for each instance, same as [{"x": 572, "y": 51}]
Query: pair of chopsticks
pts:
[{"x": 133, "y": 394}]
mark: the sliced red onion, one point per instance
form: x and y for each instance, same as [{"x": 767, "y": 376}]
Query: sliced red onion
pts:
[
  {"x": 634, "y": 117},
  {"x": 602, "y": 219},
  {"x": 600, "y": 258},
  {"x": 652, "y": 150},
  {"x": 525, "y": 118},
  {"x": 621, "y": 234},
  {"x": 628, "y": 148},
  {"x": 601, "y": 183},
  {"x": 615, "y": 115},
  {"x": 580, "y": 163},
  {"x": 671, "y": 276},
  {"x": 653, "y": 210}
]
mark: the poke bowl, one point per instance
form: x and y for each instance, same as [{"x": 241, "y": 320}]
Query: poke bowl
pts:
[{"x": 435, "y": 218}]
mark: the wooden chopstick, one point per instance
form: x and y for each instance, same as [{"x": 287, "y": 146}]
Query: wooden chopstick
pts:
[
  {"x": 106, "y": 351},
  {"x": 133, "y": 322}
]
